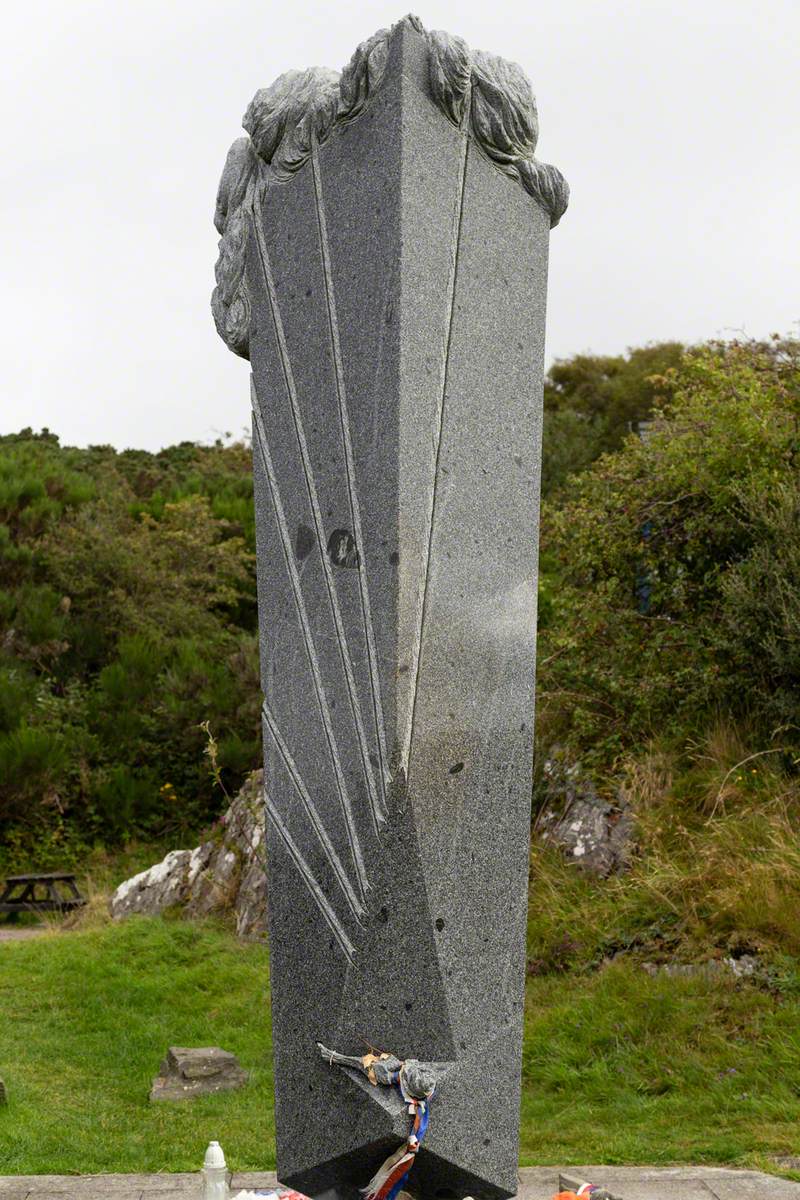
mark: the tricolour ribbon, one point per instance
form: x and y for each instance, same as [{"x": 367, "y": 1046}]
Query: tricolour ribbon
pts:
[{"x": 388, "y": 1180}]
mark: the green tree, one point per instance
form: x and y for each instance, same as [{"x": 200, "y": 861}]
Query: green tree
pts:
[
  {"x": 674, "y": 587},
  {"x": 127, "y": 618},
  {"x": 592, "y": 402}
]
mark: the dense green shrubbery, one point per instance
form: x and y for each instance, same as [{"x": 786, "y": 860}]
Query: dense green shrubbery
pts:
[
  {"x": 593, "y": 401},
  {"x": 670, "y": 591},
  {"x": 127, "y": 617},
  {"x": 674, "y": 564}
]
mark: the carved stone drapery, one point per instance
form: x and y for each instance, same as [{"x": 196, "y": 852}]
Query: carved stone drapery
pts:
[{"x": 306, "y": 106}]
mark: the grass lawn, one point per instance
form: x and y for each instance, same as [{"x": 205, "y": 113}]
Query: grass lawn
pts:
[
  {"x": 618, "y": 1067},
  {"x": 85, "y": 1019},
  {"x": 623, "y": 1068}
]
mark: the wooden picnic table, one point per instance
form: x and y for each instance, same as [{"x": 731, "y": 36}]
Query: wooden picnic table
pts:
[{"x": 55, "y": 891}]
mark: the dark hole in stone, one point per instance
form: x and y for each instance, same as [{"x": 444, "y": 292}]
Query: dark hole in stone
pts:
[
  {"x": 407, "y": 1006},
  {"x": 373, "y": 758},
  {"x": 342, "y": 549},
  {"x": 456, "y": 768},
  {"x": 394, "y": 557},
  {"x": 308, "y": 291},
  {"x": 303, "y": 542},
  {"x": 439, "y": 923},
  {"x": 384, "y": 914},
  {"x": 487, "y": 1141}
]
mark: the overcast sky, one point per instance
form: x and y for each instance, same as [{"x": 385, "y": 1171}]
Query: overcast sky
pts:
[{"x": 675, "y": 122}]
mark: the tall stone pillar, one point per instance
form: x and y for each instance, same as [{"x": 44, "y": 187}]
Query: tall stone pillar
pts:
[{"x": 383, "y": 266}]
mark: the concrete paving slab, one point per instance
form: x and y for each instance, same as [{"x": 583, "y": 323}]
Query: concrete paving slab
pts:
[
  {"x": 249, "y": 1181},
  {"x": 542, "y": 1184},
  {"x": 749, "y": 1189},
  {"x": 667, "y": 1189},
  {"x": 670, "y": 1183},
  {"x": 71, "y": 1189},
  {"x": 536, "y": 1183},
  {"x": 175, "y": 1194},
  {"x": 11, "y": 1184},
  {"x": 107, "y": 1188}
]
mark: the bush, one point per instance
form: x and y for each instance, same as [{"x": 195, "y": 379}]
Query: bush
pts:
[
  {"x": 674, "y": 587},
  {"x": 127, "y": 617},
  {"x": 593, "y": 401}
]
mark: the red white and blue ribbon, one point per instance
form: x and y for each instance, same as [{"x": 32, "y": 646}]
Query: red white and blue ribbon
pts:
[{"x": 388, "y": 1180}]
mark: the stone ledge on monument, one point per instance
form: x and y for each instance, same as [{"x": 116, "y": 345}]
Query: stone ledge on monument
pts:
[{"x": 484, "y": 95}]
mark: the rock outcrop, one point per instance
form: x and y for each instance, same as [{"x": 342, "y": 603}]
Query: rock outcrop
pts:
[
  {"x": 593, "y": 833},
  {"x": 224, "y": 875}
]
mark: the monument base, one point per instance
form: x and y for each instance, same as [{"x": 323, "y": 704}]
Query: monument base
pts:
[{"x": 431, "y": 1179}]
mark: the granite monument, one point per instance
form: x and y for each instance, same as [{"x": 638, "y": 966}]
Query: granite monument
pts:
[{"x": 382, "y": 265}]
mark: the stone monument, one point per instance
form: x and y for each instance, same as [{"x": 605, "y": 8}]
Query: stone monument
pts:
[{"x": 383, "y": 262}]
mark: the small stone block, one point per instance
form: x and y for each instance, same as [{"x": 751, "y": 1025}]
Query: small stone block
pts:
[
  {"x": 187, "y": 1072},
  {"x": 201, "y": 1063}
]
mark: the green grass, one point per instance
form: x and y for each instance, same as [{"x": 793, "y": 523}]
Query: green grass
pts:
[
  {"x": 618, "y": 1067},
  {"x": 623, "y": 1068},
  {"x": 85, "y": 1019}
]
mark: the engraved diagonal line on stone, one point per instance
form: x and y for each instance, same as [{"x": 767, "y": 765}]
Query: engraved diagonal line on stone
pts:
[
  {"x": 316, "y": 512},
  {"x": 458, "y": 217},
  {"x": 311, "y": 811},
  {"x": 352, "y": 491},
  {"x": 313, "y": 660},
  {"x": 307, "y": 875}
]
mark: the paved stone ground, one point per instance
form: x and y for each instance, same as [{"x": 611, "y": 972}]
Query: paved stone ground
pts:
[{"x": 536, "y": 1183}]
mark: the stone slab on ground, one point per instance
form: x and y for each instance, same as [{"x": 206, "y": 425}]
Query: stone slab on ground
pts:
[
  {"x": 671, "y": 1183},
  {"x": 536, "y": 1183},
  {"x": 187, "y": 1072}
]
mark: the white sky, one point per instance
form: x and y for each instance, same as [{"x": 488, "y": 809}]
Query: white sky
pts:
[{"x": 675, "y": 122}]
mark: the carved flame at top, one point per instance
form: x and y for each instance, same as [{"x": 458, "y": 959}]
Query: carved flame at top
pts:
[{"x": 487, "y": 95}]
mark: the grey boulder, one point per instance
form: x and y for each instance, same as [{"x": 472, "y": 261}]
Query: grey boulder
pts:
[
  {"x": 594, "y": 834},
  {"x": 187, "y": 1072},
  {"x": 160, "y": 887},
  {"x": 224, "y": 875}
]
